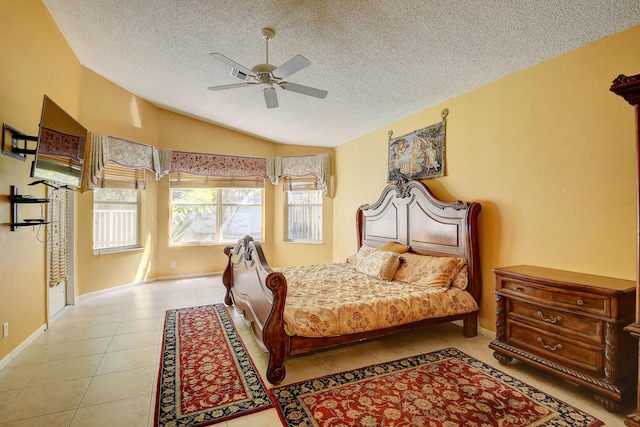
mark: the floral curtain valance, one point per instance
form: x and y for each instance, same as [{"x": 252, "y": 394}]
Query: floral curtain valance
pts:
[
  {"x": 299, "y": 166},
  {"x": 218, "y": 165}
]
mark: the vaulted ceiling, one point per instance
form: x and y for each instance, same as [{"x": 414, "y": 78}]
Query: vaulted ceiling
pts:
[{"x": 379, "y": 60}]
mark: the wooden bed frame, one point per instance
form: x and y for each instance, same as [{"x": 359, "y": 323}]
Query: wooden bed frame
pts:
[{"x": 407, "y": 213}]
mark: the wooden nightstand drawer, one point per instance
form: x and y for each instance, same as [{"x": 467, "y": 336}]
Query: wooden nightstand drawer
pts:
[
  {"x": 586, "y": 358},
  {"x": 559, "y": 321},
  {"x": 587, "y": 303}
]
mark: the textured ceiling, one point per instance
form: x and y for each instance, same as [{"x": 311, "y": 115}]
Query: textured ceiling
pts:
[{"x": 380, "y": 60}]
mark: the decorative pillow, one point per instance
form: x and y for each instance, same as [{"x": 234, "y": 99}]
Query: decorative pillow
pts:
[
  {"x": 395, "y": 247},
  {"x": 377, "y": 263},
  {"x": 428, "y": 270},
  {"x": 461, "y": 281}
]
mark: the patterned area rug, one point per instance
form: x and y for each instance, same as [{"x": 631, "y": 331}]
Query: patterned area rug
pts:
[
  {"x": 206, "y": 375},
  {"x": 445, "y": 388}
]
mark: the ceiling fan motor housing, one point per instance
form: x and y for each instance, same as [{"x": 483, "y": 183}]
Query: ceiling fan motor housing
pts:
[{"x": 263, "y": 72}]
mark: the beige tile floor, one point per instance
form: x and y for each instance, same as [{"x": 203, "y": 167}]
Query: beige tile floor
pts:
[{"x": 97, "y": 365}]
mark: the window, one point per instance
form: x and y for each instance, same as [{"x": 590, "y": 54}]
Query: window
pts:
[
  {"x": 304, "y": 215},
  {"x": 213, "y": 211},
  {"x": 115, "y": 218}
]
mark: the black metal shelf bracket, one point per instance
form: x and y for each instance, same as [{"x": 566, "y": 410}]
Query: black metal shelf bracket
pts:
[{"x": 16, "y": 199}]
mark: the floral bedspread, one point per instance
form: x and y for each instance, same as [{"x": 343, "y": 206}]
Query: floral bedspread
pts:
[{"x": 334, "y": 299}]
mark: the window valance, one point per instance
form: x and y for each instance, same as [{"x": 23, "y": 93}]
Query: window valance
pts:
[
  {"x": 133, "y": 155},
  {"x": 218, "y": 165},
  {"x": 128, "y": 154},
  {"x": 299, "y": 166}
]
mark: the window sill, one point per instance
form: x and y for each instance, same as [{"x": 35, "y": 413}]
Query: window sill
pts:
[
  {"x": 205, "y": 244},
  {"x": 196, "y": 244},
  {"x": 107, "y": 251}
]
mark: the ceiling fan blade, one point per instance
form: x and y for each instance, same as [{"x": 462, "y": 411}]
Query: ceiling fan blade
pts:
[
  {"x": 270, "y": 96},
  {"x": 293, "y": 65},
  {"x": 305, "y": 90},
  {"x": 220, "y": 57},
  {"x": 231, "y": 86}
]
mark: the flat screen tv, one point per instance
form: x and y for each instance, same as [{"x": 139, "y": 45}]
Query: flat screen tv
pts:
[{"x": 60, "y": 148}]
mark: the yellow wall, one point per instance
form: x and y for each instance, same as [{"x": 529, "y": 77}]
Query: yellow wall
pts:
[
  {"x": 111, "y": 110},
  {"x": 550, "y": 154},
  {"x": 34, "y": 60}
]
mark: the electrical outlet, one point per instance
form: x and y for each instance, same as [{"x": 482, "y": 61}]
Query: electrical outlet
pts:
[
  {"x": 5, "y": 330},
  {"x": 173, "y": 264}
]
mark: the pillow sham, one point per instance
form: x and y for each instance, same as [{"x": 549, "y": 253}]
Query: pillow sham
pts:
[
  {"x": 461, "y": 281},
  {"x": 395, "y": 247},
  {"x": 377, "y": 263},
  {"x": 428, "y": 270}
]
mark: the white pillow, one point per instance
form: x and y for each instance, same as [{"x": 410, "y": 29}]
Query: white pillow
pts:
[{"x": 377, "y": 263}]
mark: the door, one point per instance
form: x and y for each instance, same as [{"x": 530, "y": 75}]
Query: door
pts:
[{"x": 60, "y": 252}]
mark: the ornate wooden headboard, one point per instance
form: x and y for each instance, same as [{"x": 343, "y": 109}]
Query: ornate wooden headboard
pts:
[{"x": 408, "y": 213}]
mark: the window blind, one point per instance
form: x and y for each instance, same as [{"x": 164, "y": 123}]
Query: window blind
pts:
[
  {"x": 300, "y": 184},
  {"x": 116, "y": 176},
  {"x": 184, "y": 180}
]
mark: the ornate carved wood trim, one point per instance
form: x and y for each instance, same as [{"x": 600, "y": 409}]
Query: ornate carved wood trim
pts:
[{"x": 628, "y": 87}]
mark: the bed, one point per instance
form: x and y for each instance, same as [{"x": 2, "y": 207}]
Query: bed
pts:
[{"x": 285, "y": 307}]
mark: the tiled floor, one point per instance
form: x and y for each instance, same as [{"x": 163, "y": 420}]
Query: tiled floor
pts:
[{"x": 98, "y": 363}]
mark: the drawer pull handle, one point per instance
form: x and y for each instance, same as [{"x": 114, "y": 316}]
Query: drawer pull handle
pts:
[
  {"x": 580, "y": 302},
  {"x": 546, "y": 319},
  {"x": 549, "y": 347},
  {"x": 517, "y": 288}
]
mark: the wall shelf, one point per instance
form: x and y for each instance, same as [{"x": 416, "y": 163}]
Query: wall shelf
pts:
[{"x": 18, "y": 199}]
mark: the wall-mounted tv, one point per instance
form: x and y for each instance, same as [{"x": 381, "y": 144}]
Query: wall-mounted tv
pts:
[{"x": 60, "y": 149}]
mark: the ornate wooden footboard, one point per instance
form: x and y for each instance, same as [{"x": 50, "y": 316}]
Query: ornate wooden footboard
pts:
[{"x": 406, "y": 213}]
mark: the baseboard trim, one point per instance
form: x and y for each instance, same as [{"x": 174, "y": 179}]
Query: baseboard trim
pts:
[
  {"x": 16, "y": 351},
  {"x": 149, "y": 280},
  {"x": 115, "y": 288},
  {"x": 189, "y": 276}
]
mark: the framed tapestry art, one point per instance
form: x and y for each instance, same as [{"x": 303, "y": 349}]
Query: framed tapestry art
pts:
[{"x": 418, "y": 155}]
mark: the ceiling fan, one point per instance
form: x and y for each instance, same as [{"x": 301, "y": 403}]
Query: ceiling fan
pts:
[{"x": 269, "y": 76}]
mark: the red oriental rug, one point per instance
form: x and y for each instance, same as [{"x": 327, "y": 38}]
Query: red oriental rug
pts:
[
  {"x": 206, "y": 375},
  {"x": 445, "y": 388}
]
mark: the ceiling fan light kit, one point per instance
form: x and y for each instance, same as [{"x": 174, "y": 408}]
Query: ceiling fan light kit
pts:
[{"x": 269, "y": 76}]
